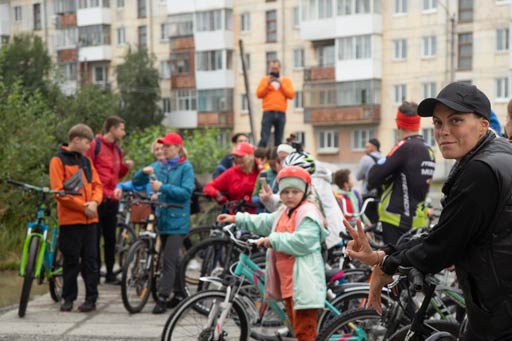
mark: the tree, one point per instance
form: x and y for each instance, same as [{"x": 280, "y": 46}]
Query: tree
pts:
[
  {"x": 137, "y": 80},
  {"x": 26, "y": 60}
]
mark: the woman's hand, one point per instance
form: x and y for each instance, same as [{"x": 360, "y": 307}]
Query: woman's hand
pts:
[
  {"x": 155, "y": 185},
  {"x": 148, "y": 170},
  {"x": 265, "y": 242},
  {"x": 225, "y": 218},
  {"x": 359, "y": 247},
  {"x": 379, "y": 280}
]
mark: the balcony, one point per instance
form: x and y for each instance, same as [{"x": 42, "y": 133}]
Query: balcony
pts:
[
  {"x": 94, "y": 16},
  {"x": 184, "y": 81},
  {"x": 319, "y": 73},
  {"x": 213, "y": 40},
  {"x": 365, "y": 114},
  {"x": 186, "y": 119},
  {"x": 215, "y": 119},
  {"x": 95, "y": 53},
  {"x": 215, "y": 79}
]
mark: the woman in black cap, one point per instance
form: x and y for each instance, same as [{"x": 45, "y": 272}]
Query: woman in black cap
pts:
[{"x": 474, "y": 232}]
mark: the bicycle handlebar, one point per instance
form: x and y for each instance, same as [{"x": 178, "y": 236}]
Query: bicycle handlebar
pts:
[
  {"x": 363, "y": 208},
  {"x": 142, "y": 199},
  {"x": 47, "y": 190}
]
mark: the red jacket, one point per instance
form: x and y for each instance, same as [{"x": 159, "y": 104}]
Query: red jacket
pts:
[
  {"x": 235, "y": 183},
  {"x": 108, "y": 163}
]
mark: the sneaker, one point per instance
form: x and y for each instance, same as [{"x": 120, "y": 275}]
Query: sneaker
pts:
[
  {"x": 66, "y": 306},
  {"x": 175, "y": 300},
  {"x": 160, "y": 307},
  {"x": 112, "y": 279},
  {"x": 87, "y": 307}
]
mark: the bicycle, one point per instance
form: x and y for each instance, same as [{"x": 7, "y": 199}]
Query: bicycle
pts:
[
  {"x": 40, "y": 258},
  {"x": 141, "y": 270}
]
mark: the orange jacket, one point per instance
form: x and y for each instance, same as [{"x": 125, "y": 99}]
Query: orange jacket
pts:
[
  {"x": 275, "y": 100},
  {"x": 70, "y": 208}
]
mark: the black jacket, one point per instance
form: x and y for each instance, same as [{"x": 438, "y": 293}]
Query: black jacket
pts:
[{"x": 475, "y": 234}]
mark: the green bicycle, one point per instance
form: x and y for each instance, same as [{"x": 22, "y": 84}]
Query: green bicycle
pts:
[{"x": 40, "y": 258}]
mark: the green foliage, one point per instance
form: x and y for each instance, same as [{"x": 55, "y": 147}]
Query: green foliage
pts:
[
  {"x": 27, "y": 125},
  {"x": 137, "y": 145},
  {"x": 26, "y": 60},
  {"x": 90, "y": 105},
  {"x": 138, "y": 84}
]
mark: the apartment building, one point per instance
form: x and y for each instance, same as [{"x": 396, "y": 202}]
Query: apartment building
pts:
[{"x": 352, "y": 62}]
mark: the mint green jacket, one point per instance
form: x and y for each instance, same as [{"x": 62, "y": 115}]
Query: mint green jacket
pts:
[{"x": 309, "y": 289}]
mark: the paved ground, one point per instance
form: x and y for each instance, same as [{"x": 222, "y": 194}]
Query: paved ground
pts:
[{"x": 44, "y": 321}]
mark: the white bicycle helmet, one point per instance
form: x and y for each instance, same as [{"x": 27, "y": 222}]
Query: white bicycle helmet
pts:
[{"x": 302, "y": 160}]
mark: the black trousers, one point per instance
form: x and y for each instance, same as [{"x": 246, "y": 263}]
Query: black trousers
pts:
[
  {"x": 391, "y": 233},
  {"x": 78, "y": 246},
  {"x": 107, "y": 213},
  {"x": 171, "y": 248}
]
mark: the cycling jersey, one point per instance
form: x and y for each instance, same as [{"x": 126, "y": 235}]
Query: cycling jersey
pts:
[{"x": 405, "y": 175}]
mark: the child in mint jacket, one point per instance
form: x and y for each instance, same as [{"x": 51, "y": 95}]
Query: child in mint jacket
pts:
[{"x": 294, "y": 235}]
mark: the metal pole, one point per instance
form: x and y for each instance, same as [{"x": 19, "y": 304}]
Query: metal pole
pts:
[{"x": 247, "y": 90}]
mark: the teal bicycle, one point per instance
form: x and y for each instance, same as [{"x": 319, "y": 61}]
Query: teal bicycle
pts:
[{"x": 40, "y": 258}]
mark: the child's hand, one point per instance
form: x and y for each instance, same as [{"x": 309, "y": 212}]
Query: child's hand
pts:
[
  {"x": 265, "y": 242},
  {"x": 91, "y": 209},
  {"x": 118, "y": 193},
  {"x": 148, "y": 170},
  {"x": 225, "y": 218},
  {"x": 155, "y": 185}
]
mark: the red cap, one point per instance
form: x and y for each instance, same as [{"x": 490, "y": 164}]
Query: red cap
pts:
[
  {"x": 243, "y": 148},
  {"x": 171, "y": 138}
]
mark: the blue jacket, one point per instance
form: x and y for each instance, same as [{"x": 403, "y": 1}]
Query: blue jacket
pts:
[
  {"x": 128, "y": 186},
  {"x": 177, "y": 187}
]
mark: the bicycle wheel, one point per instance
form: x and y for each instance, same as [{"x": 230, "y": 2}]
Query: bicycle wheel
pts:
[
  {"x": 29, "y": 275},
  {"x": 207, "y": 258},
  {"x": 56, "y": 281},
  {"x": 196, "y": 235},
  {"x": 136, "y": 280},
  {"x": 125, "y": 238},
  {"x": 362, "y": 324},
  {"x": 185, "y": 323},
  {"x": 451, "y": 327}
]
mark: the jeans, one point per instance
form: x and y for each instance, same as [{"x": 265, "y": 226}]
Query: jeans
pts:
[
  {"x": 78, "y": 246},
  {"x": 277, "y": 119}
]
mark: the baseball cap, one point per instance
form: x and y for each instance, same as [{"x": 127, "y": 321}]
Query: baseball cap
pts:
[
  {"x": 461, "y": 97},
  {"x": 171, "y": 138},
  {"x": 243, "y": 148}
]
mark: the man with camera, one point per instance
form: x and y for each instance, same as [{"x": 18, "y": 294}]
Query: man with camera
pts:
[{"x": 275, "y": 91}]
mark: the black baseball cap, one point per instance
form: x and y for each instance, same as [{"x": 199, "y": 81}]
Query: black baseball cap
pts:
[{"x": 461, "y": 97}]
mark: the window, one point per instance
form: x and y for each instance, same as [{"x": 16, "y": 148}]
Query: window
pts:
[
  {"x": 465, "y": 49},
  {"x": 502, "y": 36},
  {"x": 270, "y": 56},
  {"x": 216, "y": 100},
  {"x": 181, "y": 25},
  {"x": 94, "y": 35},
  {"x": 184, "y": 100},
  {"x": 100, "y": 74},
  {"x": 271, "y": 26},
  {"x": 244, "y": 103},
  {"x": 68, "y": 71},
  {"x": 121, "y": 36},
  {"x": 37, "y": 17},
  {"x": 66, "y": 38},
  {"x": 245, "y": 22},
  {"x": 142, "y": 36},
  {"x": 296, "y": 17},
  {"x": 165, "y": 31},
  {"x": 465, "y": 10},
  {"x": 120, "y": 3},
  {"x": 429, "y": 46},
  {"x": 300, "y": 137},
  {"x": 64, "y": 6},
  {"x": 18, "y": 13},
  {"x": 356, "y": 47},
  {"x": 400, "y": 93},
  {"x": 328, "y": 140},
  {"x": 428, "y": 136},
  {"x": 166, "y": 104},
  {"x": 429, "y": 89},
  {"x": 344, "y": 7},
  {"x": 141, "y": 8},
  {"x": 209, "y": 21},
  {"x": 400, "y": 49},
  {"x": 343, "y": 94},
  {"x": 362, "y": 6},
  {"x": 502, "y": 89},
  {"x": 324, "y": 9},
  {"x": 298, "y": 58},
  {"x": 180, "y": 62},
  {"x": 209, "y": 60},
  {"x": 360, "y": 137},
  {"x": 429, "y": 5},
  {"x": 400, "y": 6},
  {"x": 325, "y": 55},
  {"x": 297, "y": 101},
  {"x": 93, "y": 3},
  {"x": 165, "y": 71}
]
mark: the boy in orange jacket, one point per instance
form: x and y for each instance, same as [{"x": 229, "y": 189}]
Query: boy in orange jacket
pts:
[{"x": 78, "y": 216}]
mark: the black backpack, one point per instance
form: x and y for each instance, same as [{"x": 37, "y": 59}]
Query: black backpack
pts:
[
  {"x": 195, "y": 206},
  {"x": 98, "y": 146}
]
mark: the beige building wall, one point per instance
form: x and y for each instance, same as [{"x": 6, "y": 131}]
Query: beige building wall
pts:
[{"x": 256, "y": 46}]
